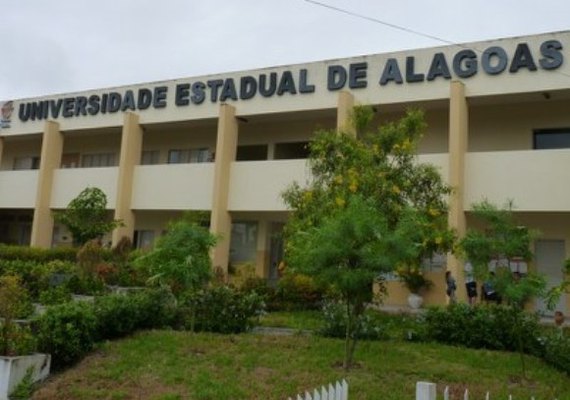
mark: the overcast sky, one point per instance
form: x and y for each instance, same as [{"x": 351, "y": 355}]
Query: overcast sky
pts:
[{"x": 51, "y": 47}]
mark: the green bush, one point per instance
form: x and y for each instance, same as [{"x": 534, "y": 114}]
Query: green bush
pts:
[
  {"x": 223, "y": 309},
  {"x": 485, "y": 326},
  {"x": 557, "y": 351},
  {"x": 261, "y": 287},
  {"x": 55, "y": 295},
  {"x": 369, "y": 327},
  {"x": 67, "y": 332},
  {"x": 38, "y": 255},
  {"x": 298, "y": 292},
  {"x": 157, "y": 308},
  {"x": 120, "y": 315}
]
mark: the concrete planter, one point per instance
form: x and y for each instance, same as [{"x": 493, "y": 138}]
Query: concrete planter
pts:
[
  {"x": 14, "y": 369},
  {"x": 415, "y": 301},
  {"x": 124, "y": 289}
]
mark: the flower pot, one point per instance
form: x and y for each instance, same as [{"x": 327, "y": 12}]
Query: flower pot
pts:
[
  {"x": 415, "y": 301},
  {"x": 14, "y": 369}
]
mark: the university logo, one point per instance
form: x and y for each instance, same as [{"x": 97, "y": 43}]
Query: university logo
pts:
[{"x": 7, "y": 109}]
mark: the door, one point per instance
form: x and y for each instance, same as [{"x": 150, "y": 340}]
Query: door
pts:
[
  {"x": 275, "y": 252},
  {"x": 550, "y": 256}
]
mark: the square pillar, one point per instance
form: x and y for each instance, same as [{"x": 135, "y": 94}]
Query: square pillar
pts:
[
  {"x": 50, "y": 158},
  {"x": 343, "y": 113},
  {"x": 220, "y": 220},
  {"x": 458, "y": 136},
  {"x": 131, "y": 147},
  {"x": 262, "y": 253}
]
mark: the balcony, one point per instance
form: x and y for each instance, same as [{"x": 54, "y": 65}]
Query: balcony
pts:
[
  {"x": 68, "y": 183},
  {"x": 173, "y": 187},
  {"x": 536, "y": 180},
  {"x": 18, "y": 188},
  {"x": 257, "y": 185}
]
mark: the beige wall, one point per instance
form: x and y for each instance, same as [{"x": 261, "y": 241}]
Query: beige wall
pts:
[
  {"x": 173, "y": 187},
  {"x": 508, "y": 127},
  {"x": 90, "y": 142},
  {"x": 18, "y": 189},
  {"x": 535, "y": 180},
  {"x": 167, "y": 139},
  {"x": 68, "y": 183},
  {"x": 20, "y": 147},
  {"x": 479, "y": 85}
]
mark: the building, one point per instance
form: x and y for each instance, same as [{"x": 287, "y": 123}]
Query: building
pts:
[{"x": 499, "y": 128}]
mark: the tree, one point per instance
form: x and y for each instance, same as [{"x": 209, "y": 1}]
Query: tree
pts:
[
  {"x": 86, "y": 216},
  {"x": 369, "y": 208},
  {"x": 502, "y": 241},
  {"x": 181, "y": 257}
]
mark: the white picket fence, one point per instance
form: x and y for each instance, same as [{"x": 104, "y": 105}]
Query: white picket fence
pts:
[
  {"x": 427, "y": 391},
  {"x": 337, "y": 392}
]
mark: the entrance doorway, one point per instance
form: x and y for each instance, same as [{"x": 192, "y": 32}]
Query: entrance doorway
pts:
[
  {"x": 550, "y": 256},
  {"x": 275, "y": 252}
]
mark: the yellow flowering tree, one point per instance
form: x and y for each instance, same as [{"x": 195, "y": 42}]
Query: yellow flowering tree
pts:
[{"x": 369, "y": 207}]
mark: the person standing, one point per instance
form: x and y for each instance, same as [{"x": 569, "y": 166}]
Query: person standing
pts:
[
  {"x": 451, "y": 287},
  {"x": 470, "y": 283}
]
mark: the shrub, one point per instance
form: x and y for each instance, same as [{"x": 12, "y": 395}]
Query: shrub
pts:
[
  {"x": 120, "y": 315},
  {"x": 298, "y": 292},
  {"x": 117, "y": 315},
  {"x": 55, "y": 295},
  {"x": 38, "y": 255},
  {"x": 156, "y": 308},
  {"x": 262, "y": 288},
  {"x": 557, "y": 351},
  {"x": 486, "y": 326},
  {"x": 67, "y": 332},
  {"x": 14, "y": 303},
  {"x": 335, "y": 321},
  {"x": 223, "y": 309}
]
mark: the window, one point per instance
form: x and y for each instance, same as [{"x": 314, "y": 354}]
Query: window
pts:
[
  {"x": 150, "y": 157},
  {"x": 70, "y": 160},
  {"x": 293, "y": 150},
  {"x": 243, "y": 244},
  {"x": 22, "y": 163},
  {"x": 144, "y": 239},
  {"x": 256, "y": 152},
  {"x": 545, "y": 139},
  {"x": 185, "y": 156},
  {"x": 98, "y": 160}
]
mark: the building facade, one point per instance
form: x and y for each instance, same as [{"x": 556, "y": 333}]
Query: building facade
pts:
[{"x": 498, "y": 128}]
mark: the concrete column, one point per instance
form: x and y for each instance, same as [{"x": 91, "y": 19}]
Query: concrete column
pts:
[
  {"x": 220, "y": 220},
  {"x": 343, "y": 113},
  {"x": 131, "y": 146},
  {"x": 50, "y": 158},
  {"x": 262, "y": 254},
  {"x": 458, "y": 135}
]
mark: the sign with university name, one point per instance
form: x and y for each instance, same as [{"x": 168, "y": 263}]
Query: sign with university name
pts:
[{"x": 464, "y": 64}]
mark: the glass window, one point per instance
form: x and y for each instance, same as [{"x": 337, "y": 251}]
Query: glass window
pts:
[
  {"x": 22, "y": 163},
  {"x": 257, "y": 152},
  {"x": 243, "y": 244},
  {"x": 293, "y": 150},
  {"x": 545, "y": 139},
  {"x": 150, "y": 157},
  {"x": 144, "y": 239},
  {"x": 185, "y": 156},
  {"x": 98, "y": 160}
]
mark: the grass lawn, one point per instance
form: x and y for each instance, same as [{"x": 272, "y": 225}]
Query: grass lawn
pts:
[{"x": 179, "y": 365}]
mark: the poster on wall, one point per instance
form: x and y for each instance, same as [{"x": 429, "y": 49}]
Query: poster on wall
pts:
[{"x": 6, "y": 116}]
